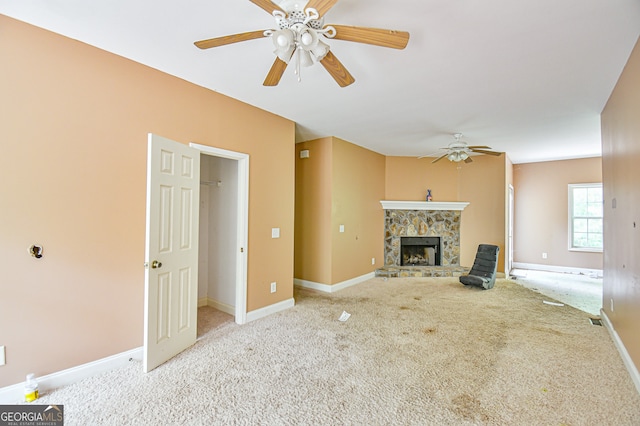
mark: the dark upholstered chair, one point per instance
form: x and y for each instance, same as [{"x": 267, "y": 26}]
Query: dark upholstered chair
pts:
[{"x": 483, "y": 271}]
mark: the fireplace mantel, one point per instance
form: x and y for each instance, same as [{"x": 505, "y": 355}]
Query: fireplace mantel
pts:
[{"x": 423, "y": 205}]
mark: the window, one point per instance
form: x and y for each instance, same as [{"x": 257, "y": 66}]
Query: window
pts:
[{"x": 585, "y": 216}]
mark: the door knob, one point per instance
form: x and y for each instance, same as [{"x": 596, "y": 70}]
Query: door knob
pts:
[{"x": 155, "y": 264}]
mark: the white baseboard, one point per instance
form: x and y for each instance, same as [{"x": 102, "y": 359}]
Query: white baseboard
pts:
[
  {"x": 207, "y": 301},
  {"x": 15, "y": 393},
  {"x": 552, "y": 268},
  {"x": 227, "y": 309},
  {"x": 626, "y": 358},
  {"x": 333, "y": 288},
  {"x": 271, "y": 309}
]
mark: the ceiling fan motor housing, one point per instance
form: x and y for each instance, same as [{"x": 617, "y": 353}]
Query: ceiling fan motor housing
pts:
[
  {"x": 298, "y": 32},
  {"x": 307, "y": 18}
]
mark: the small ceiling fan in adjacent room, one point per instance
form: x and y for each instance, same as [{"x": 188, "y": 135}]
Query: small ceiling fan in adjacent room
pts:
[
  {"x": 460, "y": 151},
  {"x": 297, "y": 37}
]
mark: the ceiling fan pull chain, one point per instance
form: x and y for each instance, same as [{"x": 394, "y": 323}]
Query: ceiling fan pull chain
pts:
[{"x": 297, "y": 70}]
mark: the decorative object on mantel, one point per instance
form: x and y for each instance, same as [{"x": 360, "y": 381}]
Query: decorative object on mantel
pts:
[
  {"x": 423, "y": 205},
  {"x": 429, "y": 197}
]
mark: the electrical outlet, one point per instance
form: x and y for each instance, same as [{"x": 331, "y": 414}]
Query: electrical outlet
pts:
[
  {"x": 373, "y": 260},
  {"x": 273, "y": 287},
  {"x": 544, "y": 255},
  {"x": 3, "y": 358}
]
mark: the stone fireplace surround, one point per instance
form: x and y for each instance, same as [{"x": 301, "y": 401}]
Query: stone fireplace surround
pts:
[{"x": 417, "y": 219}]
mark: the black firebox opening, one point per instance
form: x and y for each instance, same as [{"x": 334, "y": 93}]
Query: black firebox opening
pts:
[{"x": 420, "y": 251}]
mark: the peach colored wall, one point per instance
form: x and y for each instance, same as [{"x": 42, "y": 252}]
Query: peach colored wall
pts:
[
  {"x": 313, "y": 211},
  {"x": 340, "y": 183},
  {"x": 73, "y": 128},
  {"x": 481, "y": 183},
  {"x": 408, "y": 178},
  {"x": 542, "y": 212},
  {"x": 357, "y": 188},
  {"x": 621, "y": 175}
]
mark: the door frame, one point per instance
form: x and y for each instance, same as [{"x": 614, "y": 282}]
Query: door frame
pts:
[
  {"x": 510, "y": 219},
  {"x": 243, "y": 224}
]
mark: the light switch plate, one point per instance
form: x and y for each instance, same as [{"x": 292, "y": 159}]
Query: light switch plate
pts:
[
  {"x": 3, "y": 358},
  {"x": 341, "y": 228},
  {"x": 275, "y": 232}
]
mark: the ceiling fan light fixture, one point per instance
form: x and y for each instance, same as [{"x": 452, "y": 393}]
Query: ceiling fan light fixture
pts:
[
  {"x": 285, "y": 54},
  {"x": 282, "y": 39},
  {"x": 307, "y": 39},
  {"x": 463, "y": 156},
  {"x": 284, "y": 42},
  {"x": 305, "y": 58},
  {"x": 320, "y": 50}
]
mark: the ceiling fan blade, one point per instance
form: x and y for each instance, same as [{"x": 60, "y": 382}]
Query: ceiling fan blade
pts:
[
  {"x": 479, "y": 147},
  {"x": 482, "y": 151},
  {"x": 337, "y": 70},
  {"x": 275, "y": 73},
  {"x": 439, "y": 158},
  {"x": 234, "y": 38},
  {"x": 433, "y": 154},
  {"x": 322, "y": 6},
  {"x": 375, "y": 36},
  {"x": 267, "y": 6},
  {"x": 468, "y": 160}
]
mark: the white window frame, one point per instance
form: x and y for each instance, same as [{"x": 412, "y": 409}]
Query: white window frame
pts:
[{"x": 573, "y": 186}]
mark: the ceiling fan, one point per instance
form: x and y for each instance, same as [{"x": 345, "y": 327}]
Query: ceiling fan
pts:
[
  {"x": 300, "y": 25},
  {"x": 459, "y": 151}
]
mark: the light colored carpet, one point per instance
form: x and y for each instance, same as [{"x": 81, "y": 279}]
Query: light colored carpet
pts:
[
  {"x": 581, "y": 291},
  {"x": 415, "y": 351}
]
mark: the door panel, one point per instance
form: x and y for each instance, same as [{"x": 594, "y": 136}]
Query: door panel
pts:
[
  {"x": 171, "y": 250},
  {"x": 185, "y": 300},
  {"x": 164, "y": 296}
]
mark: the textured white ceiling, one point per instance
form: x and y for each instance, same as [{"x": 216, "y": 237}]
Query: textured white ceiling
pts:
[{"x": 527, "y": 77}]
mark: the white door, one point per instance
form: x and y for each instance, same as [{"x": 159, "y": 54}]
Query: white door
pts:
[{"x": 171, "y": 250}]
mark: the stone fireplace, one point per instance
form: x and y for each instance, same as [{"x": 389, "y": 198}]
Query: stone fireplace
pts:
[{"x": 422, "y": 238}]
